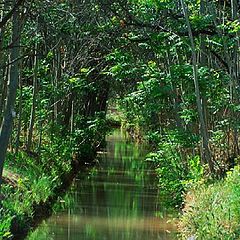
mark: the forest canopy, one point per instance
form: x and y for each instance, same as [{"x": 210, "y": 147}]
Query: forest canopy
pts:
[{"x": 170, "y": 67}]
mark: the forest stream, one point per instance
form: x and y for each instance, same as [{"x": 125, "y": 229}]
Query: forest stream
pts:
[{"x": 119, "y": 199}]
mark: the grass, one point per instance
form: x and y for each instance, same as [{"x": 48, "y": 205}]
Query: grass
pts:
[
  {"x": 32, "y": 180},
  {"x": 212, "y": 211},
  {"x": 33, "y": 185}
]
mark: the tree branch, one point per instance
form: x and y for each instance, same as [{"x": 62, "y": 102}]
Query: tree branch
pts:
[{"x": 10, "y": 13}]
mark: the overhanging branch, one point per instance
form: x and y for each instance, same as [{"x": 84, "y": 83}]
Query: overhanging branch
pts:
[{"x": 10, "y": 13}]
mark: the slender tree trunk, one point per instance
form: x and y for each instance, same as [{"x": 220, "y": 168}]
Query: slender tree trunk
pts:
[
  {"x": 204, "y": 133},
  {"x": 203, "y": 59},
  {"x": 19, "y": 118},
  {"x": 235, "y": 75},
  {"x": 40, "y": 137},
  {"x": 3, "y": 91},
  {"x": 34, "y": 102},
  {"x": 6, "y": 127},
  {"x": 72, "y": 118},
  {"x": 203, "y": 63},
  {"x": 56, "y": 79},
  {"x": 3, "y": 60}
]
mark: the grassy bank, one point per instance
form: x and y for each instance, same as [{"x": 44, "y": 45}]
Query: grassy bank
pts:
[
  {"x": 212, "y": 210},
  {"x": 33, "y": 180}
]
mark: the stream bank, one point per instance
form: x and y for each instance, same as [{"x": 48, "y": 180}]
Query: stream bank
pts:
[
  {"x": 118, "y": 199},
  {"x": 40, "y": 178}
]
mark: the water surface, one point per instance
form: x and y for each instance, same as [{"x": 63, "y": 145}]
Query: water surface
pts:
[{"x": 117, "y": 200}]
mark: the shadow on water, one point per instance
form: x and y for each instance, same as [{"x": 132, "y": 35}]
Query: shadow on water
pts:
[{"x": 118, "y": 199}]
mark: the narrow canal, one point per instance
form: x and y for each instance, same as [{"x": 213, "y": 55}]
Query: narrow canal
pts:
[{"x": 117, "y": 200}]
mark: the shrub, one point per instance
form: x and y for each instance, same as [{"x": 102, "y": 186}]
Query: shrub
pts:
[
  {"x": 174, "y": 171},
  {"x": 212, "y": 210}
]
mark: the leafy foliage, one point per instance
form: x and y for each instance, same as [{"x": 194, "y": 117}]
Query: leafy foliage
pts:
[
  {"x": 175, "y": 171},
  {"x": 212, "y": 211}
]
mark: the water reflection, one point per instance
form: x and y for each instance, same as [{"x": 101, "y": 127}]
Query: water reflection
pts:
[{"x": 117, "y": 200}]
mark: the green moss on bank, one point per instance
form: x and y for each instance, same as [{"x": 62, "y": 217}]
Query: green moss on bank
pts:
[{"x": 212, "y": 211}]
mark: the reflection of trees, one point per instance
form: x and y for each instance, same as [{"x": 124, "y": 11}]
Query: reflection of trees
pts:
[
  {"x": 114, "y": 201},
  {"x": 42, "y": 233}
]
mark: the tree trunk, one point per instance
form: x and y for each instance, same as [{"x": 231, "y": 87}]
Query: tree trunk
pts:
[
  {"x": 2, "y": 62},
  {"x": 34, "y": 101},
  {"x": 6, "y": 127},
  {"x": 203, "y": 129},
  {"x": 19, "y": 119},
  {"x": 235, "y": 75}
]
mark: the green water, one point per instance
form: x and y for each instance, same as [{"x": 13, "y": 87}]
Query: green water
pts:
[{"x": 117, "y": 200}]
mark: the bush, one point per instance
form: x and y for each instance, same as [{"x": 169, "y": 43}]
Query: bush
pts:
[
  {"x": 174, "y": 169},
  {"x": 212, "y": 210}
]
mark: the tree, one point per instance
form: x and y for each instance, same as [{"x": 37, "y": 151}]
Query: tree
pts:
[
  {"x": 9, "y": 114},
  {"x": 203, "y": 128}
]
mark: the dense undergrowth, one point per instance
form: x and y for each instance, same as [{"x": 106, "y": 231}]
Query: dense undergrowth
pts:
[
  {"x": 212, "y": 209},
  {"x": 32, "y": 179},
  {"x": 210, "y": 206},
  {"x": 175, "y": 171}
]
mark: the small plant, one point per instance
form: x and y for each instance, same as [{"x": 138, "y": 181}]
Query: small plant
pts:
[
  {"x": 212, "y": 210},
  {"x": 173, "y": 170},
  {"x": 6, "y": 220}
]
